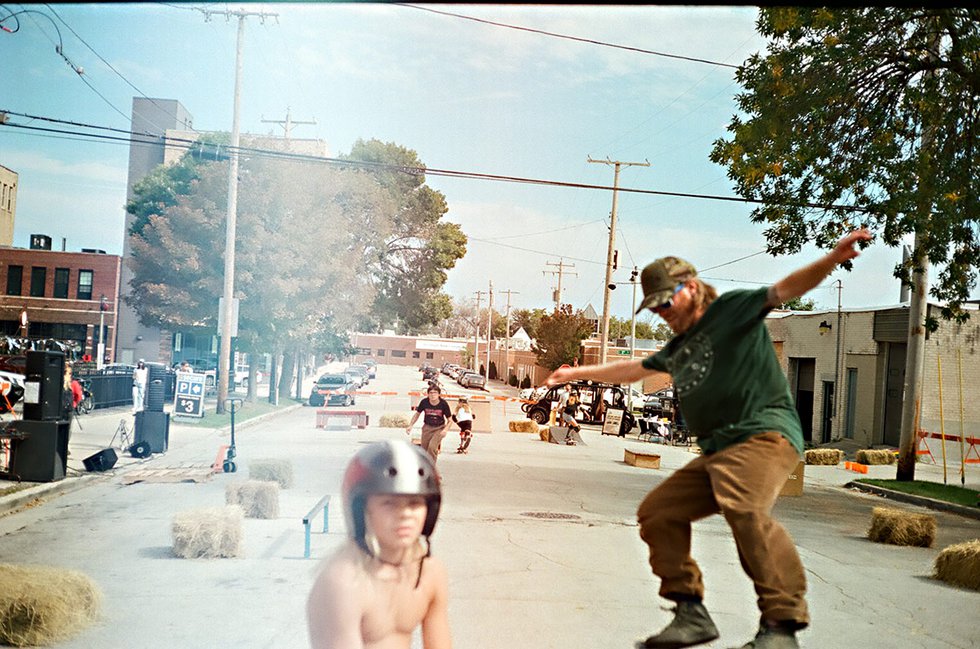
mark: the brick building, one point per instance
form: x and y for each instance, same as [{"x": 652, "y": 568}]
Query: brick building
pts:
[{"x": 61, "y": 293}]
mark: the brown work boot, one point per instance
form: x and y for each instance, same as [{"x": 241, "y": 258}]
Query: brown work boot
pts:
[
  {"x": 773, "y": 638},
  {"x": 691, "y": 626}
]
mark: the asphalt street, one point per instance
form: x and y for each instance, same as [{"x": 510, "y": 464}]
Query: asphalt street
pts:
[{"x": 540, "y": 542}]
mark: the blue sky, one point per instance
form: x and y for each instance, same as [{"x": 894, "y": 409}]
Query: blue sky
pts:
[{"x": 465, "y": 95}]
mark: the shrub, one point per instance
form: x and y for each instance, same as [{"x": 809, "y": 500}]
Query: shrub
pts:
[{"x": 526, "y": 382}]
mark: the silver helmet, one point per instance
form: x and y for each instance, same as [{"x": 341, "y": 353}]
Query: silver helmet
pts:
[{"x": 388, "y": 467}]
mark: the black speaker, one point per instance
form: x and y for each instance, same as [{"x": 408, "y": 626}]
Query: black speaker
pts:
[
  {"x": 101, "y": 461},
  {"x": 44, "y": 380},
  {"x": 140, "y": 450},
  {"x": 42, "y": 456},
  {"x": 156, "y": 387},
  {"x": 154, "y": 428}
]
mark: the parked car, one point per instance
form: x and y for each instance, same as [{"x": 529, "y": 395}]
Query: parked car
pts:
[
  {"x": 532, "y": 394},
  {"x": 658, "y": 405},
  {"x": 241, "y": 376},
  {"x": 472, "y": 380},
  {"x": 360, "y": 372},
  {"x": 331, "y": 389},
  {"x": 372, "y": 366},
  {"x": 429, "y": 374},
  {"x": 592, "y": 410}
]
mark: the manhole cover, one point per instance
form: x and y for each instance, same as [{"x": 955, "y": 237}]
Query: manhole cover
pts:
[{"x": 552, "y": 515}]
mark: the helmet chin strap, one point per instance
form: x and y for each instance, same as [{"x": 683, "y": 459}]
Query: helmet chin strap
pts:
[{"x": 418, "y": 579}]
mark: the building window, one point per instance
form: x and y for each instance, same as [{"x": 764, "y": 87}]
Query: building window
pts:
[
  {"x": 84, "y": 285},
  {"x": 15, "y": 279},
  {"x": 38, "y": 276},
  {"x": 415, "y": 355},
  {"x": 61, "y": 282},
  {"x": 381, "y": 352},
  {"x": 428, "y": 355},
  {"x": 398, "y": 353}
]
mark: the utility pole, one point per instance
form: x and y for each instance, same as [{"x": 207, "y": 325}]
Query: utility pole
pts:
[
  {"x": 486, "y": 367},
  {"x": 287, "y": 124},
  {"x": 836, "y": 428},
  {"x": 561, "y": 265},
  {"x": 918, "y": 310},
  {"x": 507, "y": 336},
  {"x": 476, "y": 334},
  {"x": 227, "y": 311},
  {"x": 604, "y": 344}
]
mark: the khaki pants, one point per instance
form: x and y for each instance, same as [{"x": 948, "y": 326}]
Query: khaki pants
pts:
[
  {"x": 432, "y": 437},
  {"x": 742, "y": 483}
]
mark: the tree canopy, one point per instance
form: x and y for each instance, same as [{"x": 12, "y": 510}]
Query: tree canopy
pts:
[
  {"x": 559, "y": 337},
  {"x": 318, "y": 249},
  {"x": 865, "y": 116}
]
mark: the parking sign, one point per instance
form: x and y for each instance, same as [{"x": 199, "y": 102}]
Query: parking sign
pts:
[{"x": 189, "y": 395}]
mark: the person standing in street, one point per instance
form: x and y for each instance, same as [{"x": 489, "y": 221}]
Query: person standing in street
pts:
[
  {"x": 139, "y": 386},
  {"x": 464, "y": 419},
  {"x": 737, "y": 403},
  {"x": 437, "y": 416}
]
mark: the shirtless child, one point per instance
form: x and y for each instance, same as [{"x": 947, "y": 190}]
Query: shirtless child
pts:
[{"x": 382, "y": 583}]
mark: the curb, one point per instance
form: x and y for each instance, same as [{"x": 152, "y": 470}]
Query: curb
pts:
[{"x": 911, "y": 499}]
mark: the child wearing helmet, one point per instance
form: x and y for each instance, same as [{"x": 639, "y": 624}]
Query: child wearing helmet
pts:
[
  {"x": 383, "y": 583},
  {"x": 437, "y": 415},
  {"x": 464, "y": 419}
]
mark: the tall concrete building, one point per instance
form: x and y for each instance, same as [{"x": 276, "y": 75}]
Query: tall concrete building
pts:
[
  {"x": 8, "y": 205},
  {"x": 169, "y": 121}
]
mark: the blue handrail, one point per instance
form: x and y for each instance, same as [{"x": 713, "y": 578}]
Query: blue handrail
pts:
[{"x": 308, "y": 519}]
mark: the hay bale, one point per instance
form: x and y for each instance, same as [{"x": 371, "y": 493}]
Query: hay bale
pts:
[
  {"x": 899, "y": 527},
  {"x": 42, "y": 605},
  {"x": 394, "y": 420},
  {"x": 523, "y": 426},
  {"x": 280, "y": 471},
  {"x": 959, "y": 565},
  {"x": 257, "y": 498},
  {"x": 208, "y": 533},
  {"x": 824, "y": 456},
  {"x": 874, "y": 456}
]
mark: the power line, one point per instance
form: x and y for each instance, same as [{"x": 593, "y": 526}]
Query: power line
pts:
[
  {"x": 187, "y": 144},
  {"x": 590, "y": 41}
]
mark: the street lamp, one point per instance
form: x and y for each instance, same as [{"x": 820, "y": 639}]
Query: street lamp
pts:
[
  {"x": 612, "y": 287},
  {"x": 100, "y": 353}
]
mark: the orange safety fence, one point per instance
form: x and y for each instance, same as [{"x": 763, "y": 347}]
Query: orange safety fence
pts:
[{"x": 974, "y": 443}]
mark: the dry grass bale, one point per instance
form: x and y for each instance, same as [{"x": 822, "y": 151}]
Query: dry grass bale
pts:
[
  {"x": 544, "y": 432},
  {"x": 899, "y": 527},
  {"x": 208, "y": 533},
  {"x": 960, "y": 565},
  {"x": 874, "y": 456},
  {"x": 280, "y": 471},
  {"x": 523, "y": 426},
  {"x": 394, "y": 420},
  {"x": 257, "y": 498},
  {"x": 42, "y": 605},
  {"x": 827, "y": 456}
]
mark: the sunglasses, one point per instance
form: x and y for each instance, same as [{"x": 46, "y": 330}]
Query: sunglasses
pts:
[{"x": 670, "y": 301}]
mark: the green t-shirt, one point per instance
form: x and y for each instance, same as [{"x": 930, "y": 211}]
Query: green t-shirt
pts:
[{"x": 726, "y": 375}]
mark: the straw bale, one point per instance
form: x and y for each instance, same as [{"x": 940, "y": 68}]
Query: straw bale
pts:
[
  {"x": 827, "y": 456},
  {"x": 523, "y": 426},
  {"x": 280, "y": 471},
  {"x": 257, "y": 498},
  {"x": 208, "y": 533},
  {"x": 899, "y": 527},
  {"x": 394, "y": 420},
  {"x": 874, "y": 456},
  {"x": 43, "y": 605},
  {"x": 959, "y": 565}
]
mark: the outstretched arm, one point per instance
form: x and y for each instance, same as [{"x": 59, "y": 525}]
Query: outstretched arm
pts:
[
  {"x": 800, "y": 282},
  {"x": 618, "y": 372}
]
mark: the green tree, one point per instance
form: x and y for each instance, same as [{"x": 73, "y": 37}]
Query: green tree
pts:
[
  {"x": 409, "y": 267},
  {"x": 622, "y": 328},
  {"x": 798, "y": 304},
  {"x": 865, "y": 116},
  {"x": 530, "y": 319},
  {"x": 559, "y": 337}
]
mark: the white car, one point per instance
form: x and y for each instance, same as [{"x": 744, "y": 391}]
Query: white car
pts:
[
  {"x": 532, "y": 394},
  {"x": 241, "y": 376}
]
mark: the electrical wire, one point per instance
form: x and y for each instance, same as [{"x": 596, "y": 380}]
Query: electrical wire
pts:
[
  {"x": 590, "y": 41},
  {"x": 187, "y": 144}
]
